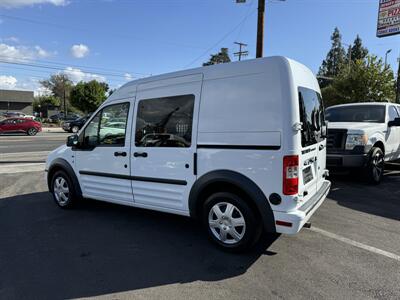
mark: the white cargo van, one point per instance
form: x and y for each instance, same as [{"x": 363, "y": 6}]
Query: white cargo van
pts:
[{"x": 239, "y": 146}]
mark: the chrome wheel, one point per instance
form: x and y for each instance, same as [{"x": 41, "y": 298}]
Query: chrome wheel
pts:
[
  {"x": 227, "y": 223},
  {"x": 377, "y": 166},
  {"x": 61, "y": 191},
  {"x": 75, "y": 129}
]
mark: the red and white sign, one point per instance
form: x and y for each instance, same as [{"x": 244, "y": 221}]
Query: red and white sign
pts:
[{"x": 388, "y": 18}]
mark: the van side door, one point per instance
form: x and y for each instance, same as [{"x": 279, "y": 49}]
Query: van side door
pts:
[
  {"x": 102, "y": 158},
  {"x": 164, "y": 143}
]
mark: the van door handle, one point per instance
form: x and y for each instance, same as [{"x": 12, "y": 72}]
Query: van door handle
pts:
[
  {"x": 321, "y": 147},
  {"x": 140, "y": 154},
  {"x": 123, "y": 153}
]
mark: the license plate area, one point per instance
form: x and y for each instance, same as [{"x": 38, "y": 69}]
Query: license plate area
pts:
[{"x": 307, "y": 175}]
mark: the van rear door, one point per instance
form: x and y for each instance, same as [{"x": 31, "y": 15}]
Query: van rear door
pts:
[{"x": 312, "y": 159}]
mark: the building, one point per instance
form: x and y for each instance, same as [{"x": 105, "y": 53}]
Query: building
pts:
[{"x": 18, "y": 101}]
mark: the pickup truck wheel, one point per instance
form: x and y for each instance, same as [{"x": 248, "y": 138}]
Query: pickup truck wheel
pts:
[
  {"x": 75, "y": 129},
  {"x": 63, "y": 190},
  {"x": 31, "y": 131},
  {"x": 230, "y": 222},
  {"x": 376, "y": 166}
]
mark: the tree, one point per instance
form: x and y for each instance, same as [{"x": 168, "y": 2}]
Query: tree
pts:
[
  {"x": 44, "y": 101},
  {"x": 60, "y": 85},
  {"x": 357, "y": 50},
  {"x": 41, "y": 104},
  {"x": 87, "y": 96},
  {"x": 367, "y": 80},
  {"x": 219, "y": 58},
  {"x": 334, "y": 61}
]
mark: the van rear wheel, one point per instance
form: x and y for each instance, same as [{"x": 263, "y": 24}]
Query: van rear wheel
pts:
[{"x": 230, "y": 222}]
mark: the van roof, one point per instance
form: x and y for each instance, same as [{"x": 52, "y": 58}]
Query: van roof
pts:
[{"x": 258, "y": 65}]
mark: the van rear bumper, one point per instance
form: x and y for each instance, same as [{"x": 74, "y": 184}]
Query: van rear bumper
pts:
[{"x": 291, "y": 222}]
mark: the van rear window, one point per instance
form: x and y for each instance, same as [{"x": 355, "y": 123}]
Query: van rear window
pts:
[{"x": 311, "y": 115}]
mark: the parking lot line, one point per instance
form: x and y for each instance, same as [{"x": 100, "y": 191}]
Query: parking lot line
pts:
[{"x": 355, "y": 243}]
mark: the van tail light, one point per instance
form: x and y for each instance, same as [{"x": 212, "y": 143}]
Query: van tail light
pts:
[{"x": 290, "y": 174}]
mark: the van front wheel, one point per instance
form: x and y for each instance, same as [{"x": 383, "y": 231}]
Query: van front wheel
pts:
[
  {"x": 63, "y": 190},
  {"x": 230, "y": 222}
]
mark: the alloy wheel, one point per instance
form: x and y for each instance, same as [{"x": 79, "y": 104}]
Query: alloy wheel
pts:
[
  {"x": 32, "y": 131},
  {"x": 377, "y": 166}
]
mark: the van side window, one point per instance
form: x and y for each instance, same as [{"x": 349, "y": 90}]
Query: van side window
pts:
[
  {"x": 393, "y": 114},
  {"x": 165, "y": 122},
  {"x": 108, "y": 127}
]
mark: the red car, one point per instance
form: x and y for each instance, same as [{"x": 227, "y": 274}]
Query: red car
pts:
[{"x": 20, "y": 125}]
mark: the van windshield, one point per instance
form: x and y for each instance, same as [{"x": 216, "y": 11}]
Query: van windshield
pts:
[
  {"x": 356, "y": 113},
  {"x": 311, "y": 116}
]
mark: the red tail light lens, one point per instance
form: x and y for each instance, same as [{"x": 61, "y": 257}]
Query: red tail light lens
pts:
[{"x": 290, "y": 175}]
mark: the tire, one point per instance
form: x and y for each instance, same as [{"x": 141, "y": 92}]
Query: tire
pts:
[
  {"x": 375, "y": 166},
  {"x": 32, "y": 131},
  {"x": 63, "y": 190},
  {"x": 221, "y": 211},
  {"x": 75, "y": 129}
]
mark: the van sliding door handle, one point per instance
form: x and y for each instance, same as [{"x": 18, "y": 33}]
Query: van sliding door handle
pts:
[
  {"x": 120, "y": 154},
  {"x": 140, "y": 154}
]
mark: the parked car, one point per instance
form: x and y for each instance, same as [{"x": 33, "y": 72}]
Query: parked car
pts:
[
  {"x": 20, "y": 125},
  {"x": 63, "y": 117},
  {"x": 75, "y": 125},
  {"x": 17, "y": 115},
  {"x": 241, "y": 147},
  {"x": 362, "y": 136}
]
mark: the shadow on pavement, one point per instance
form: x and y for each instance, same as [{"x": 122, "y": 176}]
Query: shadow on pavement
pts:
[
  {"x": 100, "y": 248},
  {"x": 352, "y": 191}
]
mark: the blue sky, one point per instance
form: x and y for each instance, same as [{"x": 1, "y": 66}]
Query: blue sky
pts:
[{"x": 116, "y": 40}]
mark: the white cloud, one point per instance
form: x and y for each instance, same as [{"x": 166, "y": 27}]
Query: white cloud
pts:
[
  {"x": 26, "y": 84},
  {"x": 76, "y": 75},
  {"x": 79, "y": 51},
  {"x": 20, "y": 3},
  {"x": 8, "y": 82},
  {"x": 15, "y": 53},
  {"x": 11, "y": 39},
  {"x": 41, "y": 52},
  {"x": 128, "y": 77}
]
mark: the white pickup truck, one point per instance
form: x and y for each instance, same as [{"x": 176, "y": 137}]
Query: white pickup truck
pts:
[{"x": 363, "y": 136}]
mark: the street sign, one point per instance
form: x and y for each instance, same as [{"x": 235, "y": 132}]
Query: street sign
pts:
[{"x": 388, "y": 18}]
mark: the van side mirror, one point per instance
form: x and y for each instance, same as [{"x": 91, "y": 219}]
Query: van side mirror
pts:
[
  {"x": 73, "y": 140},
  {"x": 394, "y": 123}
]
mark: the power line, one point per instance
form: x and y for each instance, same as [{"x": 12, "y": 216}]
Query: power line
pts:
[
  {"x": 222, "y": 39},
  {"x": 29, "y": 73},
  {"x": 82, "y": 28},
  {"x": 57, "y": 68},
  {"x": 88, "y": 68},
  {"x": 10, "y": 58}
]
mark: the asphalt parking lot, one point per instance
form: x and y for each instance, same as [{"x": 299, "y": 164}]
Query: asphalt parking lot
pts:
[{"x": 352, "y": 250}]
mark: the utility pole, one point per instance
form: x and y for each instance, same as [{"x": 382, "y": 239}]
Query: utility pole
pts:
[
  {"x": 260, "y": 28},
  {"x": 398, "y": 82},
  {"x": 241, "y": 53}
]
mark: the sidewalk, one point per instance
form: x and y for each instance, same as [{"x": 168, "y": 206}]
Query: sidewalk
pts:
[{"x": 53, "y": 129}]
